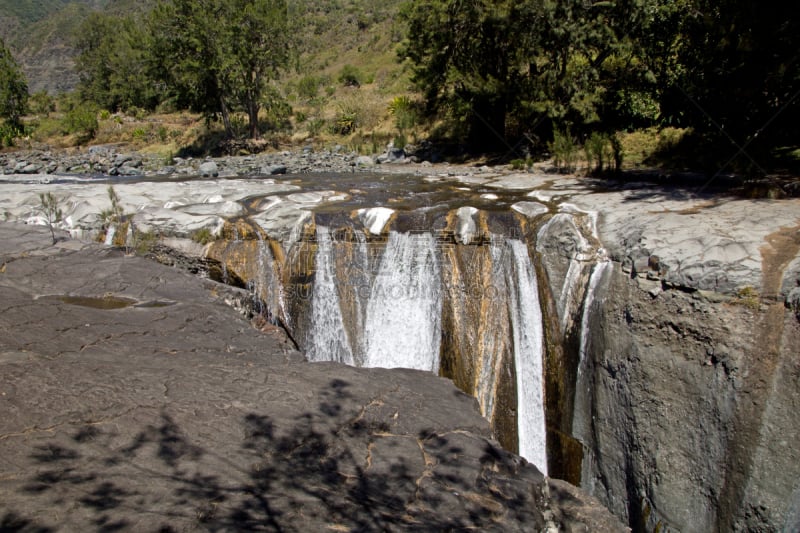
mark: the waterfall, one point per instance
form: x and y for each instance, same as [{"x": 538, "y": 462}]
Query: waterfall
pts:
[
  {"x": 403, "y": 316},
  {"x": 527, "y": 330},
  {"x": 328, "y": 338},
  {"x": 582, "y": 414},
  {"x": 594, "y": 280},
  {"x": 110, "y": 233}
]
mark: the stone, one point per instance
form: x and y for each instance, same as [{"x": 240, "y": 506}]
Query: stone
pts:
[
  {"x": 364, "y": 161},
  {"x": 209, "y": 169},
  {"x": 126, "y": 170},
  {"x": 273, "y": 170},
  {"x": 793, "y": 301},
  {"x": 159, "y": 406}
]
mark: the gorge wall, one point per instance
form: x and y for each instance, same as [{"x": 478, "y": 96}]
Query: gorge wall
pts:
[{"x": 630, "y": 339}]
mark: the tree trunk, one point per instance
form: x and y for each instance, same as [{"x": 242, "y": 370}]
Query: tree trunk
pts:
[
  {"x": 226, "y": 117},
  {"x": 252, "y": 116},
  {"x": 487, "y": 131}
]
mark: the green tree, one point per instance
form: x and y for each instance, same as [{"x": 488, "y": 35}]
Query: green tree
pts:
[
  {"x": 115, "y": 64},
  {"x": 504, "y": 67},
  {"x": 739, "y": 77},
  {"x": 13, "y": 88},
  {"x": 220, "y": 56}
]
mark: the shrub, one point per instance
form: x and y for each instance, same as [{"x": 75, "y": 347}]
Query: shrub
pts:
[
  {"x": 350, "y": 76},
  {"x": 404, "y": 111},
  {"x": 8, "y": 132},
  {"x": 82, "y": 120},
  {"x": 51, "y": 210},
  {"x": 308, "y": 87},
  {"x": 203, "y": 236},
  {"x": 563, "y": 150}
]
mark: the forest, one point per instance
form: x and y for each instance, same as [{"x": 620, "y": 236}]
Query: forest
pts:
[{"x": 517, "y": 79}]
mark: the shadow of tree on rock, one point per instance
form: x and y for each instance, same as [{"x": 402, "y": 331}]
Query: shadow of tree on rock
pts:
[{"x": 332, "y": 468}]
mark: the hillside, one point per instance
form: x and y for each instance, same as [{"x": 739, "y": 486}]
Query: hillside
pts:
[{"x": 332, "y": 33}]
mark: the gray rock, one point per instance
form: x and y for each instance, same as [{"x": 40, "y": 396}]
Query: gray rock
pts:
[
  {"x": 158, "y": 406},
  {"x": 126, "y": 170},
  {"x": 273, "y": 170},
  {"x": 793, "y": 301},
  {"x": 209, "y": 169},
  {"x": 364, "y": 161},
  {"x": 32, "y": 168}
]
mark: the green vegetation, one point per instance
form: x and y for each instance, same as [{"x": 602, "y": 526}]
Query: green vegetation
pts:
[
  {"x": 13, "y": 88},
  {"x": 203, "y": 236},
  {"x": 683, "y": 83},
  {"x": 51, "y": 211}
]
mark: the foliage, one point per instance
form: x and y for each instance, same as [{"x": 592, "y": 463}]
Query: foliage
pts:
[
  {"x": 203, "y": 236},
  {"x": 404, "y": 111},
  {"x": 346, "y": 120},
  {"x": 748, "y": 297},
  {"x": 563, "y": 149},
  {"x": 219, "y": 56},
  {"x": 308, "y": 87},
  {"x": 13, "y": 88},
  {"x": 350, "y": 76},
  {"x": 115, "y": 64},
  {"x": 41, "y": 103},
  {"x": 8, "y": 132},
  {"x": 51, "y": 210},
  {"x": 82, "y": 120}
]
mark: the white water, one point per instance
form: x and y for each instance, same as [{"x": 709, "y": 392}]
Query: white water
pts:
[
  {"x": 110, "y": 233},
  {"x": 403, "y": 317},
  {"x": 328, "y": 339},
  {"x": 594, "y": 280},
  {"x": 527, "y": 329}
]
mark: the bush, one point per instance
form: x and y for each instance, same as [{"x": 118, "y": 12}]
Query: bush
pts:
[
  {"x": 404, "y": 111},
  {"x": 563, "y": 150},
  {"x": 308, "y": 87},
  {"x": 8, "y": 132},
  {"x": 350, "y": 76},
  {"x": 82, "y": 119}
]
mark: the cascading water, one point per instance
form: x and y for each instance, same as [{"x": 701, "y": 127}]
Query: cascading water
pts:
[
  {"x": 403, "y": 317},
  {"x": 582, "y": 387},
  {"x": 527, "y": 330},
  {"x": 328, "y": 340},
  {"x": 594, "y": 280}
]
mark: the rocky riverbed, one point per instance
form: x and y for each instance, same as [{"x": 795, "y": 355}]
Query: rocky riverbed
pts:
[{"x": 114, "y": 160}]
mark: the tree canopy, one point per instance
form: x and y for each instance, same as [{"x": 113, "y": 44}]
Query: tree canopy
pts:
[
  {"x": 13, "y": 88},
  {"x": 506, "y": 70},
  {"x": 218, "y": 56}
]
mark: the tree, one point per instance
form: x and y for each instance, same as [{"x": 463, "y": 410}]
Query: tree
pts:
[
  {"x": 220, "y": 55},
  {"x": 114, "y": 63},
  {"x": 13, "y": 88},
  {"x": 512, "y": 66},
  {"x": 739, "y": 77},
  {"x": 51, "y": 211}
]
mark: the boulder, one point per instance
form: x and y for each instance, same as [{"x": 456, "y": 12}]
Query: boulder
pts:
[{"x": 209, "y": 169}]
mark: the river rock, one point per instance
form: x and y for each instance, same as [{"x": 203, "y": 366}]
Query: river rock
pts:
[
  {"x": 274, "y": 170},
  {"x": 209, "y": 169}
]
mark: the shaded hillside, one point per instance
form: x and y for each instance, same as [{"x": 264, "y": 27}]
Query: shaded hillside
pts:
[{"x": 40, "y": 34}]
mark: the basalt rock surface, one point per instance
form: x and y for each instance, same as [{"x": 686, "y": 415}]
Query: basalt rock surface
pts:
[
  {"x": 669, "y": 313},
  {"x": 135, "y": 397}
]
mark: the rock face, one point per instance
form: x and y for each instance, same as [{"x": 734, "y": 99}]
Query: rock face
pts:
[
  {"x": 666, "y": 320},
  {"x": 134, "y": 397}
]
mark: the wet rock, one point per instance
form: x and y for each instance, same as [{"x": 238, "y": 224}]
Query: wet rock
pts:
[{"x": 174, "y": 412}]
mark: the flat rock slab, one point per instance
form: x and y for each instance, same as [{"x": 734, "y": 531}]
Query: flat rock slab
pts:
[{"x": 135, "y": 397}]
